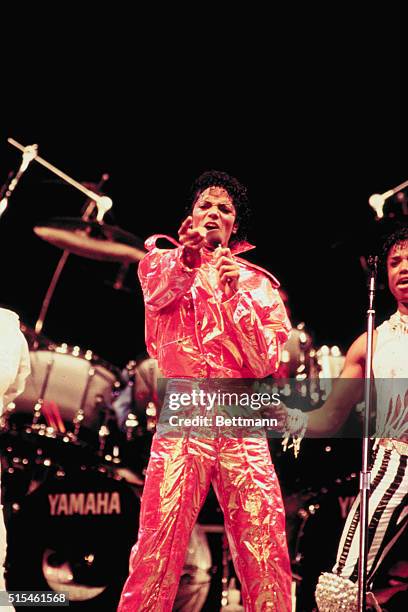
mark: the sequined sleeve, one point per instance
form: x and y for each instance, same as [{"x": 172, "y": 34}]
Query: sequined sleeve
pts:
[
  {"x": 260, "y": 324},
  {"x": 164, "y": 277}
]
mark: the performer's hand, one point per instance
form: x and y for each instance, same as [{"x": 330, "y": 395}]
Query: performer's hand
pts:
[
  {"x": 192, "y": 240},
  {"x": 280, "y": 413},
  {"x": 228, "y": 270}
]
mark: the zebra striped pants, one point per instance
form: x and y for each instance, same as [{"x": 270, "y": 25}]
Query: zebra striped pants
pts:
[{"x": 388, "y": 515}]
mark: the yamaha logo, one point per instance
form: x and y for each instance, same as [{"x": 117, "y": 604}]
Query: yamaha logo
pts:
[{"x": 84, "y": 503}]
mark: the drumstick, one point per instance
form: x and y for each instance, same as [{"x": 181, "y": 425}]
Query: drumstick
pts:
[
  {"x": 47, "y": 413},
  {"x": 52, "y": 416},
  {"x": 60, "y": 423}
]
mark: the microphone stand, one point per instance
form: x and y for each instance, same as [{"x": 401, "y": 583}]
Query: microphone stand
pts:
[
  {"x": 365, "y": 474},
  {"x": 377, "y": 200}
]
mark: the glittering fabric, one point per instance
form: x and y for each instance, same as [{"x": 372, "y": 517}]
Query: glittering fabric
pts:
[{"x": 194, "y": 333}]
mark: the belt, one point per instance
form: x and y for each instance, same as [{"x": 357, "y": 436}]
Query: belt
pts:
[{"x": 392, "y": 444}]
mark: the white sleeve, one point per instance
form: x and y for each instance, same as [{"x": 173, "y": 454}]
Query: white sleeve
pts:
[{"x": 14, "y": 358}]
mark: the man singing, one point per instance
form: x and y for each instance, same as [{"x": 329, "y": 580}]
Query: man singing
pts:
[
  {"x": 388, "y": 494},
  {"x": 210, "y": 314}
]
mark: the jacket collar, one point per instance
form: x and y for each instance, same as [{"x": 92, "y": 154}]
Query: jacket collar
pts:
[{"x": 236, "y": 249}]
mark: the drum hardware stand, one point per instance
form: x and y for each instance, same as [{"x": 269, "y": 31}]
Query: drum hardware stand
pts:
[
  {"x": 29, "y": 153},
  {"x": 80, "y": 415},
  {"x": 301, "y": 372},
  {"x": 225, "y": 570},
  {"x": 102, "y": 203},
  {"x": 377, "y": 200},
  {"x": 5, "y": 417},
  {"x": 105, "y": 431},
  {"x": 365, "y": 473},
  {"x": 115, "y": 455},
  {"x": 60, "y": 266},
  {"x": 151, "y": 416},
  {"x": 120, "y": 277},
  {"x": 230, "y": 595},
  {"x": 40, "y": 401},
  {"x": 77, "y": 421},
  {"x": 132, "y": 423}
]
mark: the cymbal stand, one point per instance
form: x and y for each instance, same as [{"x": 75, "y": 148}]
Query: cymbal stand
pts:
[
  {"x": 102, "y": 203},
  {"x": 89, "y": 207},
  {"x": 29, "y": 153}
]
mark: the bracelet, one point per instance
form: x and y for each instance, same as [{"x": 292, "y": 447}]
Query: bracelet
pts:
[{"x": 295, "y": 427}]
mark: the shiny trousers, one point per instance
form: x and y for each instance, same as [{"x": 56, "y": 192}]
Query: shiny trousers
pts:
[{"x": 178, "y": 478}]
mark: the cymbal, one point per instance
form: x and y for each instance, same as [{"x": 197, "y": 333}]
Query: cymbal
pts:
[{"x": 92, "y": 239}]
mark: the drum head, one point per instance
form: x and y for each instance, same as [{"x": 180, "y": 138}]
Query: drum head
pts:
[
  {"x": 70, "y": 381},
  {"x": 74, "y": 534}
]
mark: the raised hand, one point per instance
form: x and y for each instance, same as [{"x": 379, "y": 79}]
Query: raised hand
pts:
[
  {"x": 228, "y": 271},
  {"x": 192, "y": 240}
]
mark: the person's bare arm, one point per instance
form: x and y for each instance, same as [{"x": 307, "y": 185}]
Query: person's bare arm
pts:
[{"x": 348, "y": 390}]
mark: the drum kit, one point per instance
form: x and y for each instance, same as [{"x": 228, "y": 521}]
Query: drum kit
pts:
[
  {"x": 72, "y": 494},
  {"x": 71, "y": 501},
  {"x": 66, "y": 408}
]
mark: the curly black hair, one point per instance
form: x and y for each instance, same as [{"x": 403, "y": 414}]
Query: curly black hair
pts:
[
  {"x": 399, "y": 235},
  {"x": 238, "y": 193}
]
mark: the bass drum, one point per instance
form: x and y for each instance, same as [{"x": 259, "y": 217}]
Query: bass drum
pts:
[{"x": 74, "y": 534}]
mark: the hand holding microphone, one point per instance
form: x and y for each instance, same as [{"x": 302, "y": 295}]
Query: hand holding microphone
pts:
[
  {"x": 227, "y": 268},
  {"x": 228, "y": 271},
  {"x": 194, "y": 239}
]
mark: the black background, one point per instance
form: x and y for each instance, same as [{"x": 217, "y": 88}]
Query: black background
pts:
[
  {"x": 302, "y": 124},
  {"x": 309, "y": 185}
]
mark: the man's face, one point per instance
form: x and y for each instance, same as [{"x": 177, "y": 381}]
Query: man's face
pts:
[
  {"x": 214, "y": 210},
  {"x": 397, "y": 268}
]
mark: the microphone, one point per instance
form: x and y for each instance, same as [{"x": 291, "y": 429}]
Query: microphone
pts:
[
  {"x": 213, "y": 237},
  {"x": 377, "y": 201}
]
